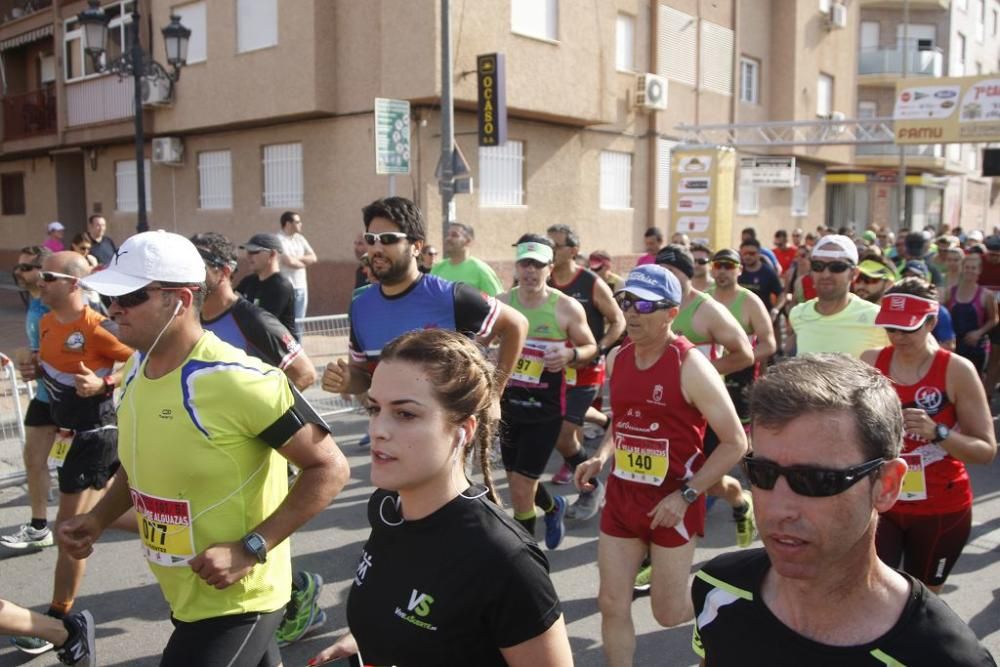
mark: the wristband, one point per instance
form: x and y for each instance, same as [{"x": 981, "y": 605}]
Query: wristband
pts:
[
  {"x": 109, "y": 382},
  {"x": 576, "y": 355}
]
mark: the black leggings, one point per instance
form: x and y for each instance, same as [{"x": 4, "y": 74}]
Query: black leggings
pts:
[
  {"x": 925, "y": 547},
  {"x": 243, "y": 640}
]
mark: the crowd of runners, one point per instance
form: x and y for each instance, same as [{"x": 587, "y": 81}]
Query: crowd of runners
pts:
[{"x": 830, "y": 390}]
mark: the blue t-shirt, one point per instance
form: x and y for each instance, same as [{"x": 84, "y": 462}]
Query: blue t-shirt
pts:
[
  {"x": 35, "y": 311},
  {"x": 943, "y": 331}
]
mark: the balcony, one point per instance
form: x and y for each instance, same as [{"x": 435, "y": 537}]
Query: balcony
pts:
[
  {"x": 898, "y": 4},
  {"x": 99, "y": 99},
  {"x": 29, "y": 114},
  {"x": 883, "y": 67}
]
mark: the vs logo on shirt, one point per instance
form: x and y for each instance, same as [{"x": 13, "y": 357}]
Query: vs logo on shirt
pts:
[{"x": 417, "y": 609}]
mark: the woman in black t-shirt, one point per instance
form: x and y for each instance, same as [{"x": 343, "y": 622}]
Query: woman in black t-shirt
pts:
[{"x": 446, "y": 577}]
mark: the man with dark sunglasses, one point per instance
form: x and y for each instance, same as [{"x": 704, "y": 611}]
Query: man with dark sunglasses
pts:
[
  {"x": 266, "y": 286},
  {"x": 406, "y": 299},
  {"x": 836, "y": 321},
  {"x": 74, "y": 339},
  {"x": 827, "y": 434},
  {"x": 662, "y": 396},
  {"x": 702, "y": 278},
  {"x": 207, "y": 432}
]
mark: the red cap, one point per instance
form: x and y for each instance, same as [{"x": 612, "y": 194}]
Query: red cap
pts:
[{"x": 905, "y": 311}]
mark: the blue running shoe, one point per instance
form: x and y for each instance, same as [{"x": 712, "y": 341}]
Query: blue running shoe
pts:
[{"x": 555, "y": 526}]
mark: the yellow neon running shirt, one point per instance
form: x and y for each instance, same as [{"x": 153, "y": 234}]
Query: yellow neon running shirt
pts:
[
  {"x": 201, "y": 476},
  {"x": 851, "y": 331}
]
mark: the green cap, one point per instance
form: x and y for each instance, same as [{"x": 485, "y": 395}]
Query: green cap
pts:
[
  {"x": 874, "y": 269},
  {"x": 536, "y": 251}
]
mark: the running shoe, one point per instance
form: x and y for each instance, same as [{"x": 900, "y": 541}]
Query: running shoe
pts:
[
  {"x": 564, "y": 476},
  {"x": 27, "y": 537},
  {"x": 365, "y": 441},
  {"x": 303, "y": 610},
  {"x": 81, "y": 648},
  {"x": 31, "y": 645},
  {"x": 555, "y": 526},
  {"x": 587, "y": 504},
  {"x": 746, "y": 527},
  {"x": 642, "y": 581}
]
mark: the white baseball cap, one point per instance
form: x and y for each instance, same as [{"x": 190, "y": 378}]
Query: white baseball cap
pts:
[
  {"x": 56, "y": 227},
  {"x": 148, "y": 257},
  {"x": 844, "y": 248}
]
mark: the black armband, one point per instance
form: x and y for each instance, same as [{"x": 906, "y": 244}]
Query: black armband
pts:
[{"x": 288, "y": 424}]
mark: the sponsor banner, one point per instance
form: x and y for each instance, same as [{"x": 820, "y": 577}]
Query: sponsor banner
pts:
[
  {"x": 767, "y": 172},
  {"x": 701, "y": 201},
  {"x": 948, "y": 110},
  {"x": 491, "y": 73}
]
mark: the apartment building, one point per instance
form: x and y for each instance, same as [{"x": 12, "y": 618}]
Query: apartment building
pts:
[
  {"x": 943, "y": 182},
  {"x": 274, "y": 111}
]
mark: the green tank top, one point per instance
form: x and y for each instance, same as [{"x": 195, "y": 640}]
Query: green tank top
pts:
[
  {"x": 683, "y": 324},
  {"x": 542, "y": 321},
  {"x": 736, "y": 307}
]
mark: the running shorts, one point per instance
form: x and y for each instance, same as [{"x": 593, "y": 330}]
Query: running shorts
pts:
[
  {"x": 38, "y": 414},
  {"x": 525, "y": 448},
  {"x": 578, "y": 399},
  {"x": 91, "y": 461},
  {"x": 243, "y": 640},
  {"x": 627, "y": 504},
  {"x": 924, "y": 546}
]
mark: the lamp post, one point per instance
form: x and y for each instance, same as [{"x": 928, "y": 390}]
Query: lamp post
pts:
[{"x": 143, "y": 69}]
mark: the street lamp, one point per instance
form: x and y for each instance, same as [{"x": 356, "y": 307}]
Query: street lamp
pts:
[{"x": 143, "y": 69}]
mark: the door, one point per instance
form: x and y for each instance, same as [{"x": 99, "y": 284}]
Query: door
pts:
[{"x": 71, "y": 198}]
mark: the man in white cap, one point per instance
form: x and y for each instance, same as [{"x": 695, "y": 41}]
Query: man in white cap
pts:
[
  {"x": 836, "y": 320},
  {"x": 54, "y": 239},
  {"x": 205, "y": 432}
]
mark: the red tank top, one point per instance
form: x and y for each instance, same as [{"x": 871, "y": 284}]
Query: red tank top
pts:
[
  {"x": 658, "y": 434},
  {"x": 946, "y": 481}
]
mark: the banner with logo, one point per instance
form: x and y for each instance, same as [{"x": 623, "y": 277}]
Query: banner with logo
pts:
[
  {"x": 948, "y": 110},
  {"x": 701, "y": 200}
]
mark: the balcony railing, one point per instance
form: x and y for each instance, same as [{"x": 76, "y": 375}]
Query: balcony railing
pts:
[
  {"x": 890, "y": 150},
  {"x": 29, "y": 114},
  {"x": 928, "y": 62},
  {"x": 99, "y": 100}
]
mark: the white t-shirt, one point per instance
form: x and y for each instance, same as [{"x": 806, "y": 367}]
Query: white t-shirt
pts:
[{"x": 295, "y": 246}]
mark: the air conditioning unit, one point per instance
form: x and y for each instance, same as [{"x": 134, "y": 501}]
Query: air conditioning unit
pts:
[
  {"x": 651, "y": 92},
  {"x": 838, "y": 16},
  {"x": 838, "y": 115},
  {"x": 156, "y": 91},
  {"x": 824, "y": 6},
  {"x": 168, "y": 150}
]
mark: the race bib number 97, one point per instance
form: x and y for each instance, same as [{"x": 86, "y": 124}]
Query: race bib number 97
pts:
[
  {"x": 640, "y": 459},
  {"x": 165, "y": 529},
  {"x": 530, "y": 364},
  {"x": 914, "y": 482}
]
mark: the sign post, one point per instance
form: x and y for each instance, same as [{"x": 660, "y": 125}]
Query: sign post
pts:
[
  {"x": 767, "y": 172},
  {"x": 392, "y": 137},
  {"x": 491, "y": 71}
]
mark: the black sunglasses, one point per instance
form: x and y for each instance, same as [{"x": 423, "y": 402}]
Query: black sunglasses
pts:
[
  {"x": 868, "y": 280},
  {"x": 808, "y": 481},
  {"x": 833, "y": 267},
  {"x": 385, "y": 238},
  {"x": 26, "y": 267},
  {"x": 139, "y": 297},
  {"x": 701, "y": 261},
  {"x": 642, "y": 306}
]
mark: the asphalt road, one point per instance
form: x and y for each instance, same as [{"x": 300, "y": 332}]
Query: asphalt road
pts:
[{"x": 133, "y": 618}]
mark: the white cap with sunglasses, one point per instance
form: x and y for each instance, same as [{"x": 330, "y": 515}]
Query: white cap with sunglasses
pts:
[
  {"x": 836, "y": 246},
  {"x": 158, "y": 256}
]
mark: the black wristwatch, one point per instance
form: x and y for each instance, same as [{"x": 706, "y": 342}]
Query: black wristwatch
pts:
[
  {"x": 256, "y": 547},
  {"x": 941, "y": 432},
  {"x": 688, "y": 494}
]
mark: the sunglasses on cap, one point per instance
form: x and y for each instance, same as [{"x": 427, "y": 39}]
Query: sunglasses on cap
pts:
[
  {"x": 140, "y": 296},
  {"x": 385, "y": 238},
  {"x": 52, "y": 276},
  {"x": 23, "y": 268},
  {"x": 833, "y": 267},
  {"x": 810, "y": 481},
  {"x": 642, "y": 306}
]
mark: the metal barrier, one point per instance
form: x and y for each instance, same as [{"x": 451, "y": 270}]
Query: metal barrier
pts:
[
  {"x": 325, "y": 340},
  {"x": 14, "y": 396}
]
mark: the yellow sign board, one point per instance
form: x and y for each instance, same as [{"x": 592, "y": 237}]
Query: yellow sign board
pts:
[
  {"x": 948, "y": 110},
  {"x": 701, "y": 194}
]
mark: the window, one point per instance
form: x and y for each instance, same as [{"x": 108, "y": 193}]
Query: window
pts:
[
  {"x": 960, "y": 55},
  {"x": 256, "y": 24},
  {"x": 824, "y": 95},
  {"x": 979, "y": 9},
  {"x": 867, "y": 110},
  {"x": 215, "y": 178},
  {"x": 996, "y": 22},
  {"x": 870, "y": 35},
  {"x": 501, "y": 175},
  {"x": 616, "y": 180},
  {"x": 283, "y": 176},
  {"x": 12, "y": 191},
  {"x": 193, "y": 17},
  {"x": 664, "y": 156},
  {"x": 126, "y": 197},
  {"x": 749, "y": 80},
  {"x": 716, "y": 58},
  {"x": 800, "y": 195},
  {"x": 962, "y": 4},
  {"x": 535, "y": 18},
  {"x": 76, "y": 63},
  {"x": 748, "y": 200},
  {"x": 625, "y": 43},
  {"x": 676, "y": 42}
]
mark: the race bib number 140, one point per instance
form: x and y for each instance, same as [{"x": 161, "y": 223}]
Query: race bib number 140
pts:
[{"x": 640, "y": 459}]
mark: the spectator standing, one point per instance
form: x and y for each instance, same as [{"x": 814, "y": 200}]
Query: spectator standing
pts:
[
  {"x": 102, "y": 246},
  {"x": 266, "y": 287},
  {"x": 653, "y": 241},
  {"x": 54, "y": 239},
  {"x": 461, "y": 266},
  {"x": 297, "y": 255}
]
